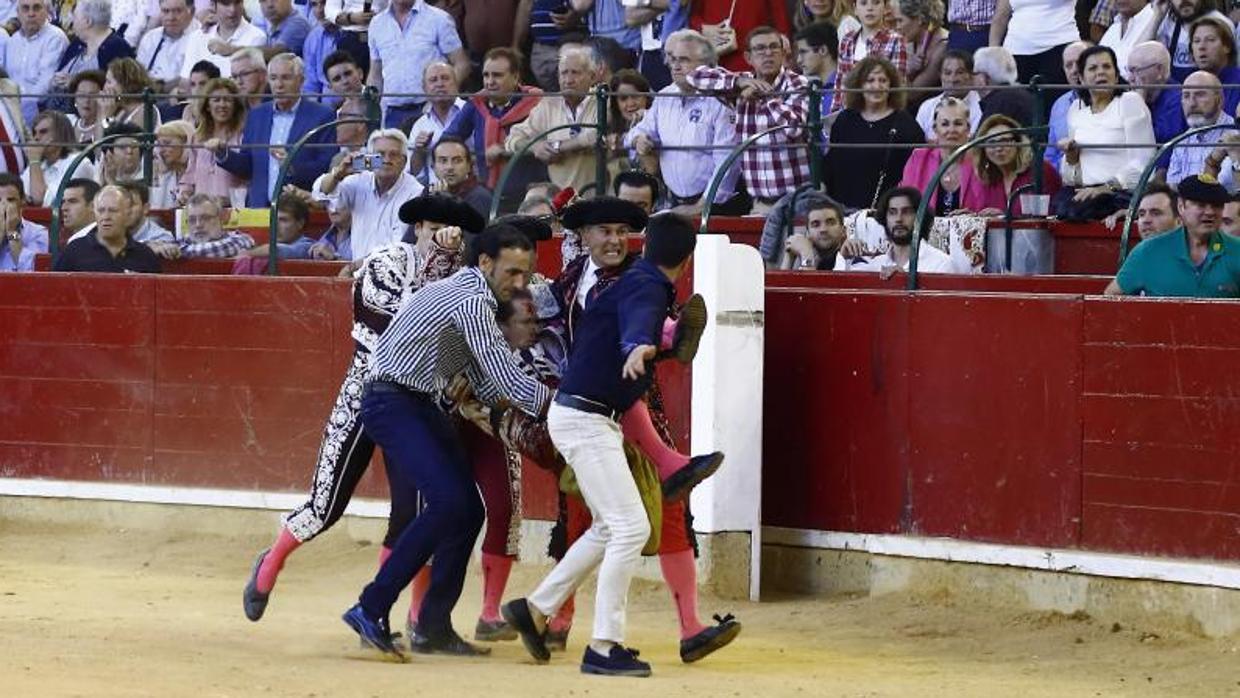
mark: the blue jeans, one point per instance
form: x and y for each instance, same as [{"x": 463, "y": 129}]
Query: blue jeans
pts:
[
  {"x": 967, "y": 41},
  {"x": 424, "y": 454}
]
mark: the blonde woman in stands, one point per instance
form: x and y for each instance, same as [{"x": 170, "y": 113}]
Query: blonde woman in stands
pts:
[
  {"x": 838, "y": 13},
  {"x": 124, "y": 82},
  {"x": 171, "y": 188},
  {"x": 222, "y": 119},
  {"x": 1004, "y": 165},
  {"x": 951, "y": 130}
]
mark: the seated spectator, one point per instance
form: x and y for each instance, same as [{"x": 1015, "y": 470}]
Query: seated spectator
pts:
[
  {"x": 231, "y": 33},
  {"x": 638, "y": 188},
  {"x": 108, "y": 247},
  {"x": 1034, "y": 34},
  {"x": 629, "y": 103},
  {"x": 454, "y": 169},
  {"x": 373, "y": 195},
  {"x": 837, "y": 13},
  {"x": 77, "y": 207},
  {"x": 896, "y": 212},
  {"x": 281, "y": 122},
  {"x": 142, "y": 227},
  {"x": 171, "y": 187},
  {"x": 1202, "y": 100},
  {"x": 817, "y": 247},
  {"x": 1150, "y": 68},
  {"x": 1133, "y": 23},
  {"x": 292, "y": 214},
  {"x": 769, "y": 96},
  {"x": 188, "y": 107},
  {"x": 1003, "y": 165},
  {"x": 994, "y": 78},
  {"x": 162, "y": 49},
  {"x": 951, "y": 130},
  {"x": 1223, "y": 163},
  {"x": 321, "y": 42},
  {"x": 443, "y": 105},
  {"x": 1214, "y": 50},
  {"x": 94, "y": 45},
  {"x": 88, "y": 122},
  {"x": 1173, "y": 21},
  {"x": 346, "y": 79},
  {"x": 925, "y": 41},
  {"x": 286, "y": 29},
  {"x": 403, "y": 39},
  {"x": 46, "y": 162},
  {"x": 1105, "y": 114},
  {"x": 1195, "y": 260},
  {"x": 956, "y": 78},
  {"x": 353, "y": 18},
  {"x": 122, "y": 158},
  {"x": 249, "y": 70},
  {"x": 1156, "y": 212},
  {"x": 871, "y": 39},
  {"x": 32, "y": 53},
  {"x": 336, "y": 241},
  {"x": 817, "y": 56},
  {"x": 20, "y": 240},
  {"x": 221, "y": 121},
  {"x": 488, "y": 117},
  {"x": 206, "y": 235},
  {"x": 1058, "y": 123},
  {"x": 856, "y": 177},
  {"x": 698, "y": 129},
  {"x": 1229, "y": 223},
  {"x": 568, "y": 153},
  {"x": 124, "y": 82}
]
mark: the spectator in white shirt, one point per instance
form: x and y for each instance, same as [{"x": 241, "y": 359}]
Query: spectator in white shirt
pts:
[
  {"x": 32, "y": 54},
  {"x": 374, "y": 195},
  {"x": 48, "y": 164},
  {"x": 162, "y": 50},
  {"x": 231, "y": 33},
  {"x": 1134, "y": 23},
  {"x": 441, "y": 87},
  {"x": 896, "y": 212},
  {"x": 956, "y": 77}
]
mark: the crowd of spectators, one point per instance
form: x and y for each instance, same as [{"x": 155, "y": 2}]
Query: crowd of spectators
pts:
[{"x": 465, "y": 86}]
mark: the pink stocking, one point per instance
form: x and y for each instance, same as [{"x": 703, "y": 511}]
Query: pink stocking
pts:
[{"x": 640, "y": 430}]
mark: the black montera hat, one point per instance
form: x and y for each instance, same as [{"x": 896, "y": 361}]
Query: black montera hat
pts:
[
  {"x": 1205, "y": 189},
  {"x": 442, "y": 208},
  {"x": 602, "y": 210}
]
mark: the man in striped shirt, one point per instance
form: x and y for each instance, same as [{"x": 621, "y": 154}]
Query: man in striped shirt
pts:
[
  {"x": 444, "y": 329},
  {"x": 207, "y": 237}
]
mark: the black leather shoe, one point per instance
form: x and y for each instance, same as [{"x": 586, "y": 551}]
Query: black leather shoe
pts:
[
  {"x": 252, "y": 600},
  {"x": 620, "y": 661},
  {"x": 710, "y": 639},
  {"x": 689, "y": 328},
  {"x": 517, "y": 613},
  {"x": 448, "y": 643},
  {"x": 374, "y": 632},
  {"x": 679, "y": 484}
]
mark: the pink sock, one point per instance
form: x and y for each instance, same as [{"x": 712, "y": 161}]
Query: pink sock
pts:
[
  {"x": 495, "y": 569},
  {"x": 563, "y": 619},
  {"x": 384, "y": 553},
  {"x": 669, "y": 335},
  {"x": 274, "y": 562},
  {"x": 640, "y": 430},
  {"x": 417, "y": 591},
  {"x": 680, "y": 573}
]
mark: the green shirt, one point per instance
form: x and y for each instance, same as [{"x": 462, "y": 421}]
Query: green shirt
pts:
[{"x": 1161, "y": 266}]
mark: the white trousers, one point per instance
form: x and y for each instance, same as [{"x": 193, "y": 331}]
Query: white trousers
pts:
[{"x": 593, "y": 445}]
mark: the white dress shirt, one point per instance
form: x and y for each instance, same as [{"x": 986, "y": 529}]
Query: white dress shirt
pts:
[
  {"x": 196, "y": 48},
  {"x": 53, "y": 173},
  {"x": 1125, "y": 120},
  {"x": 1121, "y": 39},
  {"x": 430, "y": 122},
  {"x": 376, "y": 217},
  {"x": 930, "y": 260},
  {"x": 335, "y": 8},
  {"x": 31, "y": 62},
  {"x": 162, "y": 56}
]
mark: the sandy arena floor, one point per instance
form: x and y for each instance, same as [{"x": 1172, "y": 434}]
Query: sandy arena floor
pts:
[{"x": 88, "y": 612}]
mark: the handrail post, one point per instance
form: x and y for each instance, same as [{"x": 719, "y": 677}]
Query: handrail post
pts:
[
  {"x": 815, "y": 134},
  {"x": 273, "y": 257},
  {"x": 505, "y": 173},
  {"x": 602, "y": 100},
  {"x": 1139, "y": 190},
  {"x": 53, "y": 234},
  {"x": 1039, "y": 121},
  {"x": 148, "y": 137}
]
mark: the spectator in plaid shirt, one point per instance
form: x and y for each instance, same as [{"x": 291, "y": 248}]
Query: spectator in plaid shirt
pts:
[
  {"x": 769, "y": 96},
  {"x": 872, "y": 39},
  {"x": 207, "y": 237}
]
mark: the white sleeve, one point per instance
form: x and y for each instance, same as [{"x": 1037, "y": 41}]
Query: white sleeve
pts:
[{"x": 1138, "y": 128}]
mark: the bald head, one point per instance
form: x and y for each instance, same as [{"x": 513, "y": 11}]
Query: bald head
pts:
[
  {"x": 1201, "y": 99},
  {"x": 1149, "y": 63},
  {"x": 1072, "y": 54}
]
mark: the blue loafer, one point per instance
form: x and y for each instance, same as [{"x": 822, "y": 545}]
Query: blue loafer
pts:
[{"x": 621, "y": 661}]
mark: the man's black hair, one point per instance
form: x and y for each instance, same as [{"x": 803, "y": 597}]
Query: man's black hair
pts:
[
  {"x": 821, "y": 34},
  {"x": 638, "y": 179},
  {"x": 8, "y": 179},
  {"x": 210, "y": 69},
  {"x": 449, "y": 138},
  {"x": 496, "y": 238},
  {"x": 509, "y": 308},
  {"x": 913, "y": 194},
  {"x": 670, "y": 239},
  {"x": 137, "y": 188},
  {"x": 89, "y": 187},
  {"x": 1163, "y": 188},
  {"x": 963, "y": 56},
  {"x": 335, "y": 58}
]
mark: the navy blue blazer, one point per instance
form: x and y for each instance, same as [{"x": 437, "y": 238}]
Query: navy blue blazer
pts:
[{"x": 311, "y": 162}]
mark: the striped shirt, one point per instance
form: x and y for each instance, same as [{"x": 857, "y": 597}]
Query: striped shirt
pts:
[{"x": 448, "y": 327}]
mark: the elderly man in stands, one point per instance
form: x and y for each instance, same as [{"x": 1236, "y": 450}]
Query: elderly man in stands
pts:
[
  {"x": 1195, "y": 260},
  {"x": 443, "y": 106},
  {"x": 994, "y": 77},
  {"x": 956, "y": 77},
  {"x": 77, "y": 207},
  {"x": 454, "y": 170},
  {"x": 697, "y": 130},
  {"x": 403, "y": 39},
  {"x": 162, "y": 49},
  {"x": 896, "y": 212},
  {"x": 32, "y": 54},
  {"x": 1202, "y": 101},
  {"x": 568, "y": 153},
  {"x": 249, "y": 71},
  {"x": 374, "y": 192},
  {"x": 1149, "y": 65},
  {"x": 206, "y": 237},
  {"x": 1058, "y": 122},
  {"x": 771, "y": 95},
  {"x": 20, "y": 240},
  {"x": 108, "y": 247}
]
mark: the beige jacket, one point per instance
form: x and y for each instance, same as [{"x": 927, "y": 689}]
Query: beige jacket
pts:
[{"x": 575, "y": 169}]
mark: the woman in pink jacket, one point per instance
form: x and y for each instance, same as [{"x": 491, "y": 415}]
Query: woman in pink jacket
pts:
[
  {"x": 1003, "y": 166},
  {"x": 951, "y": 130}
]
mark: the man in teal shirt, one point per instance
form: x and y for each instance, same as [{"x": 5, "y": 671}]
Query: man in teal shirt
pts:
[{"x": 1195, "y": 260}]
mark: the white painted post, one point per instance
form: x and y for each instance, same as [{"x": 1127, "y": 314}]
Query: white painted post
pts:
[{"x": 727, "y": 395}]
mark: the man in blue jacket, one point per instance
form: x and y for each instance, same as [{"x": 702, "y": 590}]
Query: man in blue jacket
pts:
[{"x": 280, "y": 122}]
